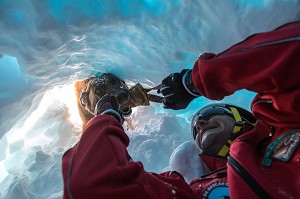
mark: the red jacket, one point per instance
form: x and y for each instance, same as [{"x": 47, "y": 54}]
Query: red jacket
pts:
[
  {"x": 267, "y": 63},
  {"x": 261, "y": 165},
  {"x": 100, "y": 167}
]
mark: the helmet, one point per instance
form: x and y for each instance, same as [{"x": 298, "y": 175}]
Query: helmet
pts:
[{"x": 241, "y": 117}]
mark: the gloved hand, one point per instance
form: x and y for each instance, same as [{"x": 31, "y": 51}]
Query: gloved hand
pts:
[
  {"x": 109, "y": 104},
  {"x": 178, "y": 90}
]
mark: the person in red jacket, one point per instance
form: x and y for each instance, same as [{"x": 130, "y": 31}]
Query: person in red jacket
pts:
[{"x": 262, "y": 163}]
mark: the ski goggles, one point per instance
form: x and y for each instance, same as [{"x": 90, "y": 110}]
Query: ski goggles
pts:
[{"x": 212, "y": 110}]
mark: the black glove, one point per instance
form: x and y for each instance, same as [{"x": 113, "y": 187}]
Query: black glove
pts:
[
  {"x": 110, "y": 105},
  {"x": 178, "y": 90}
]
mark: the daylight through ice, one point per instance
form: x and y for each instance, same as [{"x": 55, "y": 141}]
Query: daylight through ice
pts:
[{"x": 45, "y": 46}]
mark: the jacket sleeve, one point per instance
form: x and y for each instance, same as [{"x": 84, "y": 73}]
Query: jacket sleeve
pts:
[
  {"x": 264, "y": 63},
  {"x": 100, "y": 167}
]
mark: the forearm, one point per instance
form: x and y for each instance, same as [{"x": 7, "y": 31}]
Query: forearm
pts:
[
  {"x": 101, "y": 166},
  {"x": 97, "y": 159},
  {"x": 262, "y": 63}
]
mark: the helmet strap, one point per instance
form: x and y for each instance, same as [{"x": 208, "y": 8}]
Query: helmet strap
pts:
[{"x": 236, "y": 129}]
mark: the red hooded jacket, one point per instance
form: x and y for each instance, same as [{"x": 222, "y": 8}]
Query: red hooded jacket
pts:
[{"x": 262, "y": 163}]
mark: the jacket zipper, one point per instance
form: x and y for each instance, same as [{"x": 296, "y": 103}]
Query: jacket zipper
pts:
[
  {"x": 297, "y": 38},
  {"x": 246, "y": 177}
]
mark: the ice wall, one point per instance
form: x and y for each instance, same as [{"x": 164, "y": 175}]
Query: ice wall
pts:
[{"x": 47, "y": 45}]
